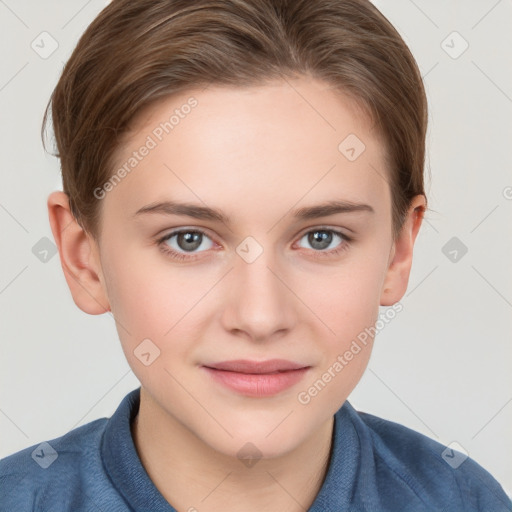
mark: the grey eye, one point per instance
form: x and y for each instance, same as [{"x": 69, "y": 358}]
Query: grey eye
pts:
[
  {"x": 320, "y": 239},
  {"x": 187, "y": 241}
]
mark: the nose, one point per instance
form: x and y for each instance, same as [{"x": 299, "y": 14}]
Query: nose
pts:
[{"x": 260, "y": 304}]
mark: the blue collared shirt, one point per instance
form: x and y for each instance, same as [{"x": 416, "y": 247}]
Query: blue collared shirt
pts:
[{"x": 375, "y": 466}]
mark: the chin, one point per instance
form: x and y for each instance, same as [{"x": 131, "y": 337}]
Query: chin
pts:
[{"x": 261, "y": 442}]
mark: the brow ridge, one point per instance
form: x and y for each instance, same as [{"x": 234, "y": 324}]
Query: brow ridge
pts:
[{"x": 207, "y": 213}]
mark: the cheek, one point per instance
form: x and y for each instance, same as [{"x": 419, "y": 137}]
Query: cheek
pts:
[
  {"x": 143, "y": 300},
  {"x": 146, "y": 305},
  {"x": 142, "y": 288},
  {"x": 349, "y": 306},
  {"x": 347, "y": 299},
  {"x": 151, "y": 299}
]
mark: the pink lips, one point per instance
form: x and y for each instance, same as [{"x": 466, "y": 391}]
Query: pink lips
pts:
[{"x": 257, "y": 378}]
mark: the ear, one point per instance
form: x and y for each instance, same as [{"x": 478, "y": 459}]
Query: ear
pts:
[
  {"x": 397, "y": 276},
  {"x": 79, "y": 257}
]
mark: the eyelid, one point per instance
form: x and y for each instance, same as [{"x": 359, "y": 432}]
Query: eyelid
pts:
[
  {"x": 323, "y": 227},
  {"x": 181, "y": 229}
]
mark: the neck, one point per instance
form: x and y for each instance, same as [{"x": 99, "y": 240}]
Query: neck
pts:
[{"x": 191, "y": 475}]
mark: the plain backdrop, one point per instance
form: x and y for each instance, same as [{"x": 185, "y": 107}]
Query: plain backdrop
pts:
[{"x": 443, "y": 367}]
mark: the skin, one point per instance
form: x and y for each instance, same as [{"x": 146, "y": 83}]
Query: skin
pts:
[{"x": 257, "y": 154}]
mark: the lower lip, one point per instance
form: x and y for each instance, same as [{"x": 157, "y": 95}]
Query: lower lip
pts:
[{"x": 257, "y": 385}]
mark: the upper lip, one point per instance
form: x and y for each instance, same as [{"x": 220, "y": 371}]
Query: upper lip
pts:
[{"x": 256, "y": 367}]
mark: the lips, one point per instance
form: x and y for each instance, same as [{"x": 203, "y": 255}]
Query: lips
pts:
[
  {"x": 257, "y": 367},
  {"x": 256, "y": 379}
]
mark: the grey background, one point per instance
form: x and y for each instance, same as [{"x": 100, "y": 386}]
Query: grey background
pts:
[{"x": 442, "y": 367}]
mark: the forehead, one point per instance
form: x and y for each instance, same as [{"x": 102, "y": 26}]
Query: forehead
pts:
[
  {"x": 285, "y": 139},
  {"x": 303, "y": 108}
]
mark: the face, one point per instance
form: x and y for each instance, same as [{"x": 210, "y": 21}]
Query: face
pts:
[{"x": 267, "y": 275}]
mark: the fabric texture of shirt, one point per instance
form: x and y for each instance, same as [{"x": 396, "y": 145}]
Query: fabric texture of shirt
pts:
[{"x": 375, "y": 465}]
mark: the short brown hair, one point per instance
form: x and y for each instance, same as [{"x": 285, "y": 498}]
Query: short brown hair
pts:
[{"x": 138, "y": 51}]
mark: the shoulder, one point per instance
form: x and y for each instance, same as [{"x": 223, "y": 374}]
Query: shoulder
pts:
[
  {"x": 439, "y": 475},
  {"x": 55, "y": 472}
]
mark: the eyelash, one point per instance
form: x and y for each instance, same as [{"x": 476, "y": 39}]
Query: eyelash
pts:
[{"x": 346, "y": 240}]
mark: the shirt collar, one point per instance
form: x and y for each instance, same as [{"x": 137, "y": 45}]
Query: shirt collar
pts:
[
  {"x": 341, "y": 479},
  {"x": 122, "y": 462},
  {"x": 128, "y": 475}
]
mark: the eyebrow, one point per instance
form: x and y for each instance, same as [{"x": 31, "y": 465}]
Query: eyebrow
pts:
[{"x": 207, "y": 213}]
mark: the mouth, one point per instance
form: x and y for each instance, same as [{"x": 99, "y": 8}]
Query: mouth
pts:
[
  {"x": 257, "y": 378},
  {"x": 257, "y": 367}
]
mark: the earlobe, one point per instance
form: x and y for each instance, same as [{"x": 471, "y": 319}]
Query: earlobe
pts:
[
  {"x": 397, "y": 276},
  {"x": 78, "y": 257}
]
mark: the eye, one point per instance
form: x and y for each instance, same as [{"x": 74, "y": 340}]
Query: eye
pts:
[
  {"x": 186, "y": 241},
  {"x": 186, "y": 244},
  {"x": 321, "y": 239}
]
